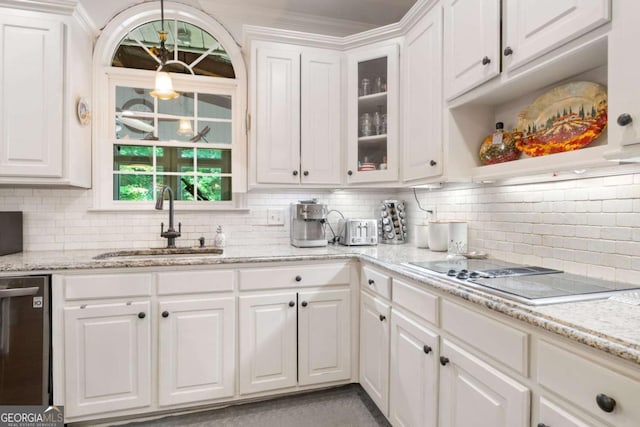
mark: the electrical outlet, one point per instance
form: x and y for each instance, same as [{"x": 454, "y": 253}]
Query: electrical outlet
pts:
[{"x": 275, "y": 216}]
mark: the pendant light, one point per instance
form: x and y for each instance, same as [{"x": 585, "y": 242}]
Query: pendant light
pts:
[
  {"x": 184, "y": 127},
  {"x": 164, "y": 86}
]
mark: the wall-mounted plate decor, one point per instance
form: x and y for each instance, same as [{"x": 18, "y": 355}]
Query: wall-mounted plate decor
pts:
[
  {"x": 566, "y": 118},
  {"x": 84, "y": 112}
]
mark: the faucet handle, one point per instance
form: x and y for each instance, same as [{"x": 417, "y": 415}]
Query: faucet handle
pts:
[
  {"x": 161, "y": 227},
  {"x": 179, "y": 228}
]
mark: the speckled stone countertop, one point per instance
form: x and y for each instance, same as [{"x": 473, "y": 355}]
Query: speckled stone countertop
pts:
[{"x": 609, "y": 326}]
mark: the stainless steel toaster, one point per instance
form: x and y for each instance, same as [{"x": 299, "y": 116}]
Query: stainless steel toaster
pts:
[{"x": 358, "y": 232}]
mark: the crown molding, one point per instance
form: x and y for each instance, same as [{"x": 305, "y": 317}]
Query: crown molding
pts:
[
  {"x": 63, "y": 7},
  {"x": 251, "y": 32},
  {"x": 85, "y": 22}
]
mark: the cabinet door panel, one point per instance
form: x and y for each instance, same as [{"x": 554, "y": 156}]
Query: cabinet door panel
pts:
[
  {"x": 31, "y": 83},
  {"x": 472, "y": 32},
  {"x": 374, "y": 350},
  {"x": 414, "y": 373},
  {"x": 107, "y": 358},
  {"x": 267, "y": 342},
  {"x": 324, "y": 332},
  {"x": 278, "y": 116},
  {"x": 196, "y": 344},
  {"x": 321, "y": 114},
  {"x": 473, "y": 393},
  {"x": 533, "y": 28},
  {"x": 552, "y": 415},
  {"x": 422, "y": 138}
]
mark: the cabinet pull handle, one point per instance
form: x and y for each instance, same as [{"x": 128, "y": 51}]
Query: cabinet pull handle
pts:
[
  {"x": 304, "y": 303},
  {"x": 142, "y": 315},
  {"x": 292, "y": 303},
  {"x": 433, "y": 163},
  {"x": 295, "y": 173},
  {"x": 624, "y": 119},
  {"x": 298, "y": 278},
  {"x": 507, "y": 51},
  {"x": 486, "y": 60},
  {"x": 371, "y": 281},
  {"x": 606, "y": 403},
  {"x": 349, "y": 172},
  {"x": 542, "y": 425},
  {"x": 305, "y": 173},
  {"x": 426, "y": 349},
  {"x": 444, "y": 361},
  {"x": 165, "y": 314},
  {"x": 382, "y": 317}
]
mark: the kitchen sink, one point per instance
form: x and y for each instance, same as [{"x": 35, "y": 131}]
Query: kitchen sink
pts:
[{"x": 160, "y": 252}]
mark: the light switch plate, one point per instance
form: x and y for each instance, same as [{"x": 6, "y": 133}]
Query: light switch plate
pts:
[{"x": 275, "y": 216}]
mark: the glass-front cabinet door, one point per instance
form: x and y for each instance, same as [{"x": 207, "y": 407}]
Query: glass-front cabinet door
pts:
[{"x": 373, "y": 114}]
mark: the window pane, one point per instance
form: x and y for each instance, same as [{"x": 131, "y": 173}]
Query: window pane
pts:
[
  {"x": 132, "y": 187},
  {"x": 214, "y": 106},
  {"x": 182, "y": 185},
  {"x": 215, "y": 187},
  {"x": 174, "y": 159},
  {"x": 132, "y": 158},
  {"x": 181, "y": 106},
  {"x": 168, "y": 131},
  {"x": 218, "y": 132},
  {"x": 214, "y": 161}
]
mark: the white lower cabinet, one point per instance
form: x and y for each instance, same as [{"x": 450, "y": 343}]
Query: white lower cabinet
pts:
[
  {"x": 290, "y": 338},
  {"x": 473, "y": 393},
  {"x": 108, "y": 357},
  {"x": 551, "y": 415},
  {"x": 195, "y": 350},
  {"x": 413, "y": 373},
  {"x": 374, "y": 349}
]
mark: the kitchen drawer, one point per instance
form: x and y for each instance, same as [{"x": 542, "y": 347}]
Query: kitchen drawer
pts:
[
  {"x": 416, "y": 300},
  {"x": 184, "y": 282},
  {"x": 552, "y": 415},
  {"x": 107, "y": 286},
  {"x": 303, "y": 275},
  {"x": 503, "y": 343},
  {"x": 376, "y": 282},
  {"x": 580, "y": 380}
]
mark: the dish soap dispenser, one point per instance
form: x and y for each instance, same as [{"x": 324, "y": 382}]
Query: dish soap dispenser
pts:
[{"x": 220, "y": 240}]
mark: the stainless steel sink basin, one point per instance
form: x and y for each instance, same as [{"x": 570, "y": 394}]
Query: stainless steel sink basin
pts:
[{"x": 160, "y": 252}]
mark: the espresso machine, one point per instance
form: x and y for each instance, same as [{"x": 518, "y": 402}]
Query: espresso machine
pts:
[{"x": 308, "y": 219}]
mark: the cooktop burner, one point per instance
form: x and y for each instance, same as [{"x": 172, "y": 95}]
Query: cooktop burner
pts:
[{"x": 527, "y": 284}]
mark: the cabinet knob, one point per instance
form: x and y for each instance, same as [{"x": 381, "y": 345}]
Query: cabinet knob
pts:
[
  {"x": 382, "y": 317},
  {"x": 295, "y": 173},
  {"x": 165, "y": 314},
  {"x": 427, "y": 349},
  {"x": 606, "y": 403},
  {"x": 485, "y": 60},
  {"x": 433, "y": 163},
  {"x": 624, "y": 119},
  {"x": 444, "y": 361},
  {"x": 349, "y": 172},
  {"x": 142, "y": 315},
  {"x": 542, "y": 425},
  {"x": 507, "y": 51},
  {"x": 298, "y": 278},
  {"x": 371, "y": 281},
  {"x": 292, "y": 303},
  {"x": 304, "y": 303},
  {"x": 305, "y": 173}
]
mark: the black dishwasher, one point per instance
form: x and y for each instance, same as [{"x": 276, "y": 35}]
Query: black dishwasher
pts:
[{"x": 24, "y": 341}]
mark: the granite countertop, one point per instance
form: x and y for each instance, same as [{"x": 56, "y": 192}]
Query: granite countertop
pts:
[{"x": 609, "y": 326}]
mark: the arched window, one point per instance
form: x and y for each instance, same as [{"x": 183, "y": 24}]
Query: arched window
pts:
[{"x": 194, "y": 143}]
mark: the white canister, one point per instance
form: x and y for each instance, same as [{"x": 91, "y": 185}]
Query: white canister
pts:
[
  {"x": 458, "y": 240},
  {"x": 422, "y": 235},
  {"x": 438, "y": 235}
]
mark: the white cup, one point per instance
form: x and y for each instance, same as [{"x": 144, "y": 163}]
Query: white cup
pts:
[
  {"x": 438, "y": 236},
  {"x": 422, "y": 235}
]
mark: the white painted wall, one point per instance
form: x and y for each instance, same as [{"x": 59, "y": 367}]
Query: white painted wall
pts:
[{"x": 588, "y": 226}]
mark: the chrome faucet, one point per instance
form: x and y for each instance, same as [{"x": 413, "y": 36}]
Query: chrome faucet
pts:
[{"x": 170, "y": 234}]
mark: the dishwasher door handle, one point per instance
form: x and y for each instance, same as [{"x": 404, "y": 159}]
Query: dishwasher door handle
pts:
[{"x": 18, "y": 292}]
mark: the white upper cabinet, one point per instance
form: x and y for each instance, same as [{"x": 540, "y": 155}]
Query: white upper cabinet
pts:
[
  {"x": 297, "y": 110},
  {"x": 471, "y": 45},
  {"x": 321, "y": 113},
  {"x": 277, "y": 115},
  {"x": 372, "y": 111},
  {"x": 422, "y": 98},
  {"x": 44, "y": 71},
  {"x": 532, "y": 28}
]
